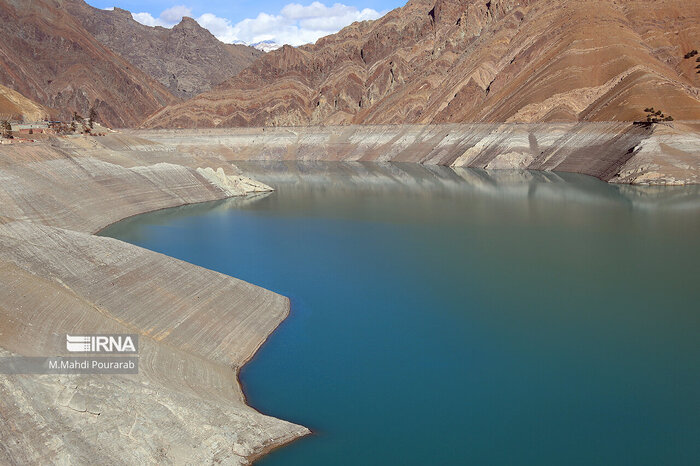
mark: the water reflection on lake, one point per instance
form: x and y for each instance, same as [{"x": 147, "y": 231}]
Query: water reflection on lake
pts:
[{"x": 461, "y": 316}]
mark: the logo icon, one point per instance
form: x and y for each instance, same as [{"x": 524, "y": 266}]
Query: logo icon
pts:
[
  {"x": 79, "y": 344},
  {"x": 101, "y": 343}
]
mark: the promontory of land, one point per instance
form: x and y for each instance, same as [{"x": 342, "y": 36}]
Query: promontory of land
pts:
[{"x": 196, "y": 327}]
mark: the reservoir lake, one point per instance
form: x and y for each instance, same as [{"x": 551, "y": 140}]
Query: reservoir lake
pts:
[{"x": 452, "y": 316}]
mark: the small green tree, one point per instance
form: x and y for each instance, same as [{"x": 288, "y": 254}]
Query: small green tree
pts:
[
  {"x": 7, "y": 129},
  {"x": 656, "y": 116},
  {"x": 93, "y": 115}
]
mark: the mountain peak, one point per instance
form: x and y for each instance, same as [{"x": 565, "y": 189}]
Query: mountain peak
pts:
[
  {"x": 266, "y": 45},
  {"x": 187, "y": 22},
  {"x": 122, "y": 13},
  {"x": 187, "y": 59}
]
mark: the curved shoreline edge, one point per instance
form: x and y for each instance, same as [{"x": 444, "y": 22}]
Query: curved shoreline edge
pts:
[{"x": 199, "y": 326}]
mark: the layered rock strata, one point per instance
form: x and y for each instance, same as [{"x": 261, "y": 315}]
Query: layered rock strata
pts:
[
  {"x": 442, "y": 61},
  {"x": 616, "y": 152},
  {"x": 47, "y": 56}
]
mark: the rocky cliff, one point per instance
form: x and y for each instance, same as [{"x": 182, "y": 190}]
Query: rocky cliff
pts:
[
  {"x": 47, "y": 56},
  {"x": 471, "y": 61},
  {"x": 186, "y": 59}
]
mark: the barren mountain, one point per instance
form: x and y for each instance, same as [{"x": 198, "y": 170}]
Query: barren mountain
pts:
[
  {"x": 47, "y": 56},
  {"x": 186, "y": 59},
  {"x": 471, "y": 61}
]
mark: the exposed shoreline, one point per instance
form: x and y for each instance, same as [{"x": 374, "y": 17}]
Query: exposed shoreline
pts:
[
  {"x": 199, "y": 326},
  {"x": 616, "y": 152}
]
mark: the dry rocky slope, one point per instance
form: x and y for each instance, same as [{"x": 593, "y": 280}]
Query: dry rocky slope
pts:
[
  {"x": 436, "y": 61},
  {"x": 186, "y": 59},
  {"x": 47, "y": 56},
  {"x": 14, "y": 106},
  {"x": 71, "y": 57},
  {"x": 615, "y": 152},
  {"x": 197, "y": 327}
]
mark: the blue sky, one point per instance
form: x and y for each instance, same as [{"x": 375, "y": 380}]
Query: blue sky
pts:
[{"x": 282, "y": 21}]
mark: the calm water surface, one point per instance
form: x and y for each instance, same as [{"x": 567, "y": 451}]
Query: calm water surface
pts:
[{"x": 463, "y": 317}]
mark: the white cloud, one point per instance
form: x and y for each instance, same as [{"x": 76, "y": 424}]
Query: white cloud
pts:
[
  {"x": 168, "y": 18},
  {"x": 295, "y": 24},
  {"x": 145, "y": 18}
]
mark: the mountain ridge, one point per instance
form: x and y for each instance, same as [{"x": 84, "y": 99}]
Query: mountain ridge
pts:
[
  {"x": 68, "y": 57},
  {"x": 450, "y": 61},
  {"x": 48, "y": 57},
  {"x": 186, "y": 59}
]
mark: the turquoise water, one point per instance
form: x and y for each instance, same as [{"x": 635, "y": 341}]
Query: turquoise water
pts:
[{"x": 463, "y": 317}]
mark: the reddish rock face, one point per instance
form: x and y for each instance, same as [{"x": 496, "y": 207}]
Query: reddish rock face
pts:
[
  {"x": 47, "y": 56},
  {"x": 466, "y": 61}
]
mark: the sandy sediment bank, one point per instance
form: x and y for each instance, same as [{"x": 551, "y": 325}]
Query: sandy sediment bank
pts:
[
  {"x": 197, "y": 327},
  {"x": 617, "y": 152}
]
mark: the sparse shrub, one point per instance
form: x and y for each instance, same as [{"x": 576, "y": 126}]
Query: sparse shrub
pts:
[
  {"x": 93, "y": 115},
  {"x": 7, "y": 129},
  {"x": 656, "y": 116}
]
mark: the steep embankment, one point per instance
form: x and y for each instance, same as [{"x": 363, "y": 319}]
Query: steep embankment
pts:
[
  {"x": 47, "y": 56},
  {"x": 15, "y": 106},
  {"x": 187, "y": 59},
  {"x": 471, "y": 61},
  {"x": 197, "y": 327},
  {"x": 617, "y": 152}
]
